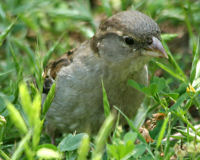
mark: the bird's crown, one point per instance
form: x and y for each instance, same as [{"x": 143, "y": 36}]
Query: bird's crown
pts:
[{"x": 132, "y": 23}]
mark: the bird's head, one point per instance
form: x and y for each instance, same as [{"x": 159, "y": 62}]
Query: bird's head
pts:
[{"x": 127, "y": 35}]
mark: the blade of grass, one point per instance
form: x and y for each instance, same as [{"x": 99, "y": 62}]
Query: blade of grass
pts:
[
  {"x": 167, "y": 147},
  {"x": 125, "y": 4},
  {"x": 7, "y": 72},
  {"x": 162, "y": 131},
  {"x": 6, "y": 32},
  {"x": 17, "y": 118},
  {"x": 141, "y": 138},
  {"x": 36, "y": 105},
  {"x": 26, "y": 103},
  {"x": 106, "y": 7},
  {"x": 181, "y": 115},
  {"x": 179, "y": 101},
  {"x": 26, "y": 49},
  {"x": 102, "y": 136},
  {"x": 4, "y": 155},
  {"x": 19, "y": 72},
  {"x": 84, "y": 148},
  {"x": 174, "y": 63},
  {"x": 38, "y": 124},
  {"x": 131, "y": 125},
  {"x": 29, "y": 152},
  {"x": 106, "y": 104},
  {"x": 37, "y": 133},
  {"x": 168, "y": 37},
  {"x": 170, "y": 71},
  {"x": 38, "y": 69},
  {"x": 48, "y": 100},
  {"x": 21, "y": 146},
  {"x": 48, "y": 153},
  {"x": 187, "y": 17},
  {"x": 194, "y": 71},
  {"x": 51, "y": 50}
]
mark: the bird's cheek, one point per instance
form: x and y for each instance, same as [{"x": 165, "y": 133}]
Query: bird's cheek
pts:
[
  {"x": 150, "y": 53},
  {"x": 137, "y": 52}
]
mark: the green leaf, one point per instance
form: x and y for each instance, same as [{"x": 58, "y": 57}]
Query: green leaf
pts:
[
  {"x": 194, "y": 71},
  {"x": 15, "y": 59},
  {"x": 37, "y": 132},
  {"x": 113, "y": 151},
  {"x": 151, "y": 90},
  {"x": 2, "y": 13},
  {"x": 106, "y": 104},
  {"x": 26, "y": 49},
  {"x": 106, "y": 7},
  {"x": 168, "y": 37},
  {"x": 19, "y": 71},
  {"x": 179, "y": 101},
  {"x": 7, "y": 72},
  {"x": 162, "y": 131},
  {"x": 50, "y": 146},
  {"x": 140, "y": 116},
  {"x": 17, "y": 118},
  {"x": 21, "y": 146},
  {"x": 79, "y": 11},
  {"x": 177, "y": 68},
  {"x": 123, "y": 149},
  {"x": 102, "y": 136},
  {"x": 2, "y": 121},
  {"x": 3, "y": 99},
  {"x": 84, "y": 148},
  {"x": 71, "y": 142},
  {"x": 138, "y": 150},
  {"x": 36, "y": 108},
  {"x": 4, "y": 155},
  {"x": 30, "y": 23},
  {"x": 136, "y": 85},
  {"x": 48, "y": 153},
  {"x": 170, "y": 71},
  {"x": 26, "y": 103},
  {"x": 130, "y": 136},
  {"x": 37, "y": 123},
  {"x": 140, "y": 137},
  {"x": 5, "y": 33},
  {"x": 50, "y": 52},
  {"x": 174, "y": 95},
  {"x": 125, "y": 4},
  {"x": 48, "y": 100},
  {"x": 174, "y": 13},
  {"x": 160, "y": 83}
]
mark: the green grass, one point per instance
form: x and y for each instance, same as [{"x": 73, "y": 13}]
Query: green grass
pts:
[{"x": 34, "y": 31}]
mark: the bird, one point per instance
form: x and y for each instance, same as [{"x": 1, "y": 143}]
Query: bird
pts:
[{"x": 120, "y": 50}]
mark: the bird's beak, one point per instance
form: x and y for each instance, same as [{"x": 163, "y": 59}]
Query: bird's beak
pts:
[{"x": 156, "y": 49}]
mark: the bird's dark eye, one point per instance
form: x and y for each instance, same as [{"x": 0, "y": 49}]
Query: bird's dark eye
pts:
[{"x": 129, "y": 40}]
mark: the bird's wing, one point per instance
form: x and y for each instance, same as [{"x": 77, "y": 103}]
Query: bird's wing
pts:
[{"x": 52, "y": 69}]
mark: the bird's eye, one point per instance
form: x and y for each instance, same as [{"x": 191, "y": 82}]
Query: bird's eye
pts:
[{"x": 129, "y": 40}]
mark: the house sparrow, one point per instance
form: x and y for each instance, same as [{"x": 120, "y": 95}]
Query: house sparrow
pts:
[{"x": 120, "y": 50}]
